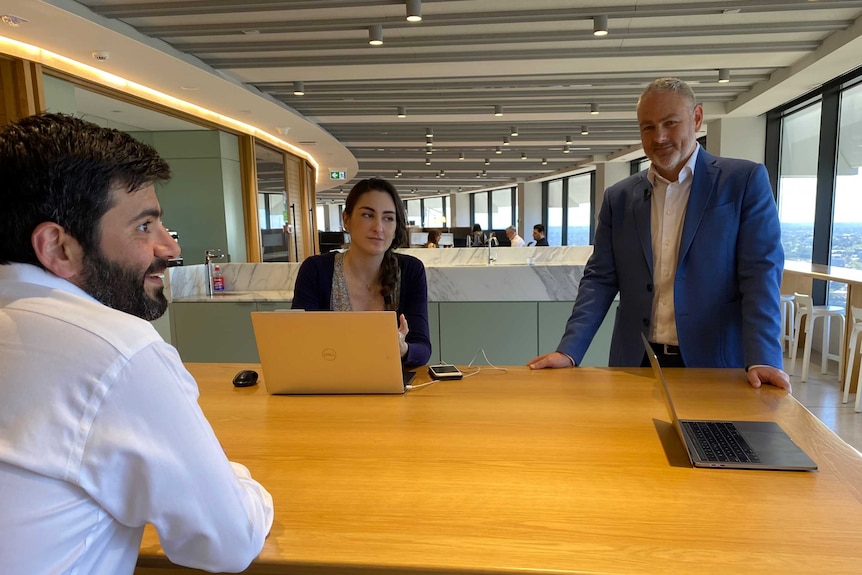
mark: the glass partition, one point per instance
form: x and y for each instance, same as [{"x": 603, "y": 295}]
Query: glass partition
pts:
[{"x": 273, "y": 214}]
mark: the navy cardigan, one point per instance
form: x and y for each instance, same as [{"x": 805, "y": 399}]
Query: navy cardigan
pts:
[{"x": 313, "y": 291}]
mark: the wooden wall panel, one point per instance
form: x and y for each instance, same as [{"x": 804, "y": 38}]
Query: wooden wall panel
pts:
[
  {"x": 248, "y": 173},
  {"x": 293, "y": 169},
  {"x": 21, "y": 90}
]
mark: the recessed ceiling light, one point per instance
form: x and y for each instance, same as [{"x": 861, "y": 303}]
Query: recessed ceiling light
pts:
[
  {"x": 190, "y": 88},
  {"x": 12, "y": 20}
]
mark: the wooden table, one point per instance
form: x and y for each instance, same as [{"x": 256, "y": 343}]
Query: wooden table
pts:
[{"x": 557, "y": 471}]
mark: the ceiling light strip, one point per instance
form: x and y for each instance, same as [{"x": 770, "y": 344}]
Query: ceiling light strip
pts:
[{"x": 80, "y": 70}]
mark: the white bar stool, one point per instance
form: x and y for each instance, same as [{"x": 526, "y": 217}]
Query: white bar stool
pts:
[
  {"x": 851, "y": 354},
  {"x": 806, "y": 309},
  {"x": 788, "y": 309}
]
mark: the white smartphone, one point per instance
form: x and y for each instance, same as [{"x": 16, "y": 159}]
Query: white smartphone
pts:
[{"x": 444, "y": 372}]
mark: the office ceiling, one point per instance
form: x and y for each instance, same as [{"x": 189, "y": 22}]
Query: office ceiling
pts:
[{"x": 539, "y": 61}]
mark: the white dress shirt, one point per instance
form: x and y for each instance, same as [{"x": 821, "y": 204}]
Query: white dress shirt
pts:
[
  {"x": 100, "y": 434},
  {"x": 518, "y": 242},
  {"x": 669, "y": 203}
]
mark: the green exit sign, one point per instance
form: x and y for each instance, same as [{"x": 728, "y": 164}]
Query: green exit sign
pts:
[{"x": 337, "y": 175}]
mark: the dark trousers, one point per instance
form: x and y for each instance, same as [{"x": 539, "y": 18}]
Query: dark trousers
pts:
[{"x": 668, "y": 355}]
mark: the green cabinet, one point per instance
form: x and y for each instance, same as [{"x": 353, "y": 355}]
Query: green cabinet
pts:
[
  {"x": 218, "y": 332},
  {"x": 434, "y": 331},
  {"x": 510, "y": 333},
  {"x": 506, "y": 331},
  {"x": 553, "y": 316},
  {"x": 272, "y": 305}
]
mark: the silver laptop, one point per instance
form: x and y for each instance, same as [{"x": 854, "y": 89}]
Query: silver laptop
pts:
[
  {"x": 326, "y": 352},
  {"x": 732, "y": 444}
]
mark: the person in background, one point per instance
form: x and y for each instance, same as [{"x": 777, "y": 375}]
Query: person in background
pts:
[
  {"x": 693, "y": 247},
  {"x": 477, "y": 238},
  {"x": 370, "y": 275},
  {"x": 515, "y": 240},
  {"x": 539, "y": 235},
  {"x": 100, "y": 425},
  {"x": 433, "y": 239}
]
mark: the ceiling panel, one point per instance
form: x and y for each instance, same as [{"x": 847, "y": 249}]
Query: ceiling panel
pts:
[{"x": 539, "y": 61}]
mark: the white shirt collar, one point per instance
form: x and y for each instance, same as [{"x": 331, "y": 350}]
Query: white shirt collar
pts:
[{"x": 28, "y": 273}]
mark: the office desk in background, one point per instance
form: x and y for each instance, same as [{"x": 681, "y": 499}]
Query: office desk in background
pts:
[{"x": 555, "y": 471}]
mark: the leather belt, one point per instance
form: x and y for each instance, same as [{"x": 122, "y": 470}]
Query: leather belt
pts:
[{"x": 664, "y": 348}]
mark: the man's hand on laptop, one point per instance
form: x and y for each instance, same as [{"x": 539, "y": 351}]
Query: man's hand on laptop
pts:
[
  {"x": 403, "y": 330},
  {"x": 760, "y": 374}
]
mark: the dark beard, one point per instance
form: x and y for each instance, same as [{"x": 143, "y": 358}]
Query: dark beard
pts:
[{"x": 122, "y": 288}]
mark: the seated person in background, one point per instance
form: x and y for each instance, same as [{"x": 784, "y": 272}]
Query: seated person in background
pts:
[
  {"x": 433, "y": 239},
  {"x": 101, "y": 428},
  {"x": 477, "y": 238},
  {"x": 370, "y": 275},
  {"x": 515, "y": 240},
  {"x": 539, "y": 235}
]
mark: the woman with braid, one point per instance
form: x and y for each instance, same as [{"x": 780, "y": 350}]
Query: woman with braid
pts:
[{"x": 370, "y": 276}]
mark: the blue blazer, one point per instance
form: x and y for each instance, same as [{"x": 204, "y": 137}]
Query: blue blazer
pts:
[{"x": 728, "y": 277}]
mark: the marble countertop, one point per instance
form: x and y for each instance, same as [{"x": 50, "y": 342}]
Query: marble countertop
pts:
[
  {"x": 240, "y": 296},
  {"x": 454, "y": 275}
]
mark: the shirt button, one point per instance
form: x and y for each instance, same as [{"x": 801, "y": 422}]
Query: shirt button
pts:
[{"x": 646, "y": 322}]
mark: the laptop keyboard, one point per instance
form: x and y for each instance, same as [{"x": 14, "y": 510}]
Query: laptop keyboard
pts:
[{"x": 720, "y": 441}]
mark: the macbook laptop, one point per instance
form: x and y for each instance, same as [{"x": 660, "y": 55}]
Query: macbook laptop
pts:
[
  {"x": 732, "y": 444},
  {"x": 323, "y": 352}
]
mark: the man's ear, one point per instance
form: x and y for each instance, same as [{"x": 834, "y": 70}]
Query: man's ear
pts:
[
  {"x": 60, "y": 253},
  {"x": 698, "y": 117}
]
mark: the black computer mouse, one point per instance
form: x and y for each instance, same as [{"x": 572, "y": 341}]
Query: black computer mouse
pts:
[{"x": 245, "y": 378}]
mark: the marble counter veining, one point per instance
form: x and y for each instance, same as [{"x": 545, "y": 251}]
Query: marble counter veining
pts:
[
  {"x": 240, "y": 296},
  {"x": 454, "y": 275},
  {"x": 269, "y": 280}
]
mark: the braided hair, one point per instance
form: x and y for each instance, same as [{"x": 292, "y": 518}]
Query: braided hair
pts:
[{"x": 389, "y": 267}]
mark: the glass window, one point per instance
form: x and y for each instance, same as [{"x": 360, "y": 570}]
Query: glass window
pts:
[
  {"x": 480, "y": 209},
  {"x": 502, "y": 214},
  {"x": 329, "y": 217},
  {"x": 321, "y": 217},
  {"x": 414, "y": 212},
  {"x": 797, "y": 181},
  {"x": 579, "y": 211},
  {"x": 433, "y": 213},
  {"x": 555, "y": 213},
  {"x": 847, "y": 219}
]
